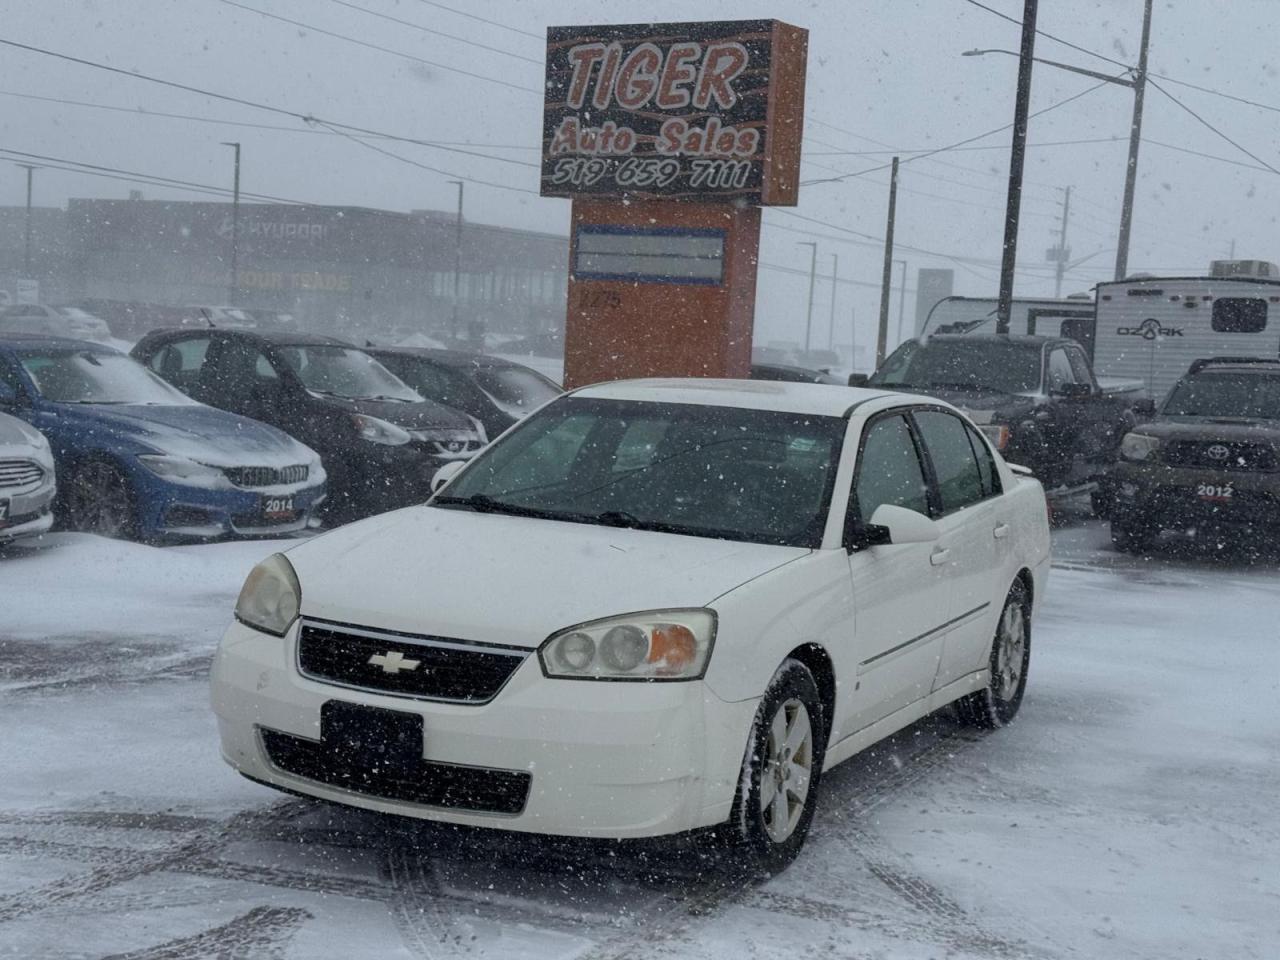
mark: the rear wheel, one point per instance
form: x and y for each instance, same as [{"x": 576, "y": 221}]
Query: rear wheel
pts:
[
  {"x": 778, "y": 787},
  {"x": 99, "y": 499},
  {"x": 998, "y": 702}
]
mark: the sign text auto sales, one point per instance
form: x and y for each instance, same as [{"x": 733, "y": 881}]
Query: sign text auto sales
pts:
[{"x": 660, "y": 109}]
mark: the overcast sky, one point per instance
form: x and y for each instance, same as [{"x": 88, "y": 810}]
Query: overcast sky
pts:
[{"x": 883, "y": 76}]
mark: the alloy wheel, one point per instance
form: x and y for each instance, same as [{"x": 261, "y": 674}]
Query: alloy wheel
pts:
[
  {"x": 1011, "y": 648},
  {"x": 788, "y": 770}
]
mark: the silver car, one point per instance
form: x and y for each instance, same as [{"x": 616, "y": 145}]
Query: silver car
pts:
[{"x": 27, "y": 482}]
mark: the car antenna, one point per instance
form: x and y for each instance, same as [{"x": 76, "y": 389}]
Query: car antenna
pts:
[{"x": 208, "y": 318}]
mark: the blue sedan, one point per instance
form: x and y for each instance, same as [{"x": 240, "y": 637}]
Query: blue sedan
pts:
[{"x": 137, "y": 458}]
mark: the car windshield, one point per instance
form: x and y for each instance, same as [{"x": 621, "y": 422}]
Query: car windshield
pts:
[
  {"x": 1009, "y": 367},
  {"x": 92, "y": 376},
  {"x": 709, "y": 471},
  {"x": 516, "y": 387},
  {"x": 1226, "y": 396},
  {"x": 345, "y": 372}
]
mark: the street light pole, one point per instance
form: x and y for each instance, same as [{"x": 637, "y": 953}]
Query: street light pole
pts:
[
  {"x": 1135, "y": 140},
  {"x": 886, "y": 280},
  {"x": 902, "y": 301},
  {"x": 835, "y": 278},
  {"x": 813, "y": 274},
  {"x": 1017, "y": 154},
  {"x": 457, "y": 261},
  {"x": 26, "y": 254},
  {"x": 233, "y": 284},
  {"x": 1061, "y": 253}
]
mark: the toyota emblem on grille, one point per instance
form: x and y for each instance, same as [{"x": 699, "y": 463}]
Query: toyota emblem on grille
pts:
[
  {"x": 393, "y": 661},
  {"x": 1217, "y": 452},
  {"x": 454, "y": 446}
]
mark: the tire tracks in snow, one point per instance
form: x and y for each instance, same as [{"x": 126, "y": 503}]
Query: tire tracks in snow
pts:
[{"x": 260, "y": 934}]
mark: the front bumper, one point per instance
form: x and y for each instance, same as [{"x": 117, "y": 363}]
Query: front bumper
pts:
[
  {"x": 616, "y": 760},
  {"x": 29, "y": 512},
  {"x": 1161, "y": 497},
  {"x": 180, "y": 510}
]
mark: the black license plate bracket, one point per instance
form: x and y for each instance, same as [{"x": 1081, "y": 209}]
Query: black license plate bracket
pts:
[{"x": 367, "y": 738}]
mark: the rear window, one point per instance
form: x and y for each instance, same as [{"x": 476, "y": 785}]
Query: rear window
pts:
[{"x": 1239, "y": 315}]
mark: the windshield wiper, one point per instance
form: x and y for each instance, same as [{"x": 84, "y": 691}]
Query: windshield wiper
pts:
[
  {"x": 483, "y": 503},
  {"x": 617, "y": 518},
  {"x": 384, "y": 397}
]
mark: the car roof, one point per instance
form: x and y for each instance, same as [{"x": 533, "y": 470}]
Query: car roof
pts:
[
  {"x": 817, "y": 399},
  {"x": 274, "y": 337},
  {"x": 1260, "y": 367},
  {"x": 1031, "y": 341},
  {"x": 17, "y": 340}
]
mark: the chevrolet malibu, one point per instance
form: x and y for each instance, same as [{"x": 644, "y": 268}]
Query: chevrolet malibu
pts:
[{"x": 651, "y": 608}]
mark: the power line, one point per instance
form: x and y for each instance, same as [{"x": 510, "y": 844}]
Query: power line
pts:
[
  {"x": 422, "y": 166},
  {"x": 1050, "y": 36},
  {"x": 306, "y": 118},
  {"x": 1206, "y": 123},
  {"x": 438, "y": 33},
  {"x": 492, "y": 23},
  {"x": 1216, "y": 93},
  {"x": 117, "y": 173},
  {"x": 374, "y": 46},
  {"x": 961, "y": 143}
]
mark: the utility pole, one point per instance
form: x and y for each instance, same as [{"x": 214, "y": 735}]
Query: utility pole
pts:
[
  {"x": 26, "y": 255},
  {"x": 233, "y": 286},
  {"x": 1135, "y": 140},
  {"x": 1061, "y": 253},
  {"x": 886, "y": 281},
  {"x": 902, "y": 301},
  {"x": 813, "y": 274},
  {"x": 457, "y": 261},
  {"x": 1017, "y": 154},
  {"x": 835, "y": 276}
]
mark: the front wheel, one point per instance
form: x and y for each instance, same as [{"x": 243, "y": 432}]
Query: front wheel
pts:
[
  {"x": 997, "y": 704},
  {"x": 778, "y": 787},
  {"x": 100, "y": 499}
]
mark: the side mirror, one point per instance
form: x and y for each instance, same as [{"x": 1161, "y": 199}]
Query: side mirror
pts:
[
  {"x": 1145, "y": 408},
  {"x": 904, "y": 526},
  {"x": 858, "y": 379},
  {"x": 1073, "y": 391},
  {"x": 445, "y": 474}
]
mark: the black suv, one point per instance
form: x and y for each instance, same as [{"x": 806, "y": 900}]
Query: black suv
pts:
[
  {"x": 1210, "y": 460},
  {"x": 380, "y": 442},
  {"x": 496, "y": 392}
]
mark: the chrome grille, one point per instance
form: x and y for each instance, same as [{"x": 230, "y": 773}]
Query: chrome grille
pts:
[
  {"x": 267, "y": 476},
  {"x": 20, "y": 473},
  {"x": 1219, "y": 455}
]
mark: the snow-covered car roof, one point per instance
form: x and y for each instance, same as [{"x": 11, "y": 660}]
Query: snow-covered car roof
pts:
[{"x": 819, "y": 399}]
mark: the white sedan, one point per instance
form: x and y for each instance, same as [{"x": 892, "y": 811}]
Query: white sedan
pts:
[
  {"x": 652, "y": 607},
  {"x": 27, "y": 483}
]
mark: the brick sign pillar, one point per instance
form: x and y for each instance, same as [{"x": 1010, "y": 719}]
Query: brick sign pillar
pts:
[{"x": 669, "y": 138}]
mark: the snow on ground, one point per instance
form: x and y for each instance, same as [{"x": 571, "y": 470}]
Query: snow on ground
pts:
[{"x": 1128, "y": 813}]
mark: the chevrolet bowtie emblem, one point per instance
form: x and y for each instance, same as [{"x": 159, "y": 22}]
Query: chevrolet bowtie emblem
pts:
[{"x": 393, "y": 661}]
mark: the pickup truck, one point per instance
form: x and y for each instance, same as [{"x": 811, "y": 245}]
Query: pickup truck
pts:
[{"x": 1036, "y": 399}]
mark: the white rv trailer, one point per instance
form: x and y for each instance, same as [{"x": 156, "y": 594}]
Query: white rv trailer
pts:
[
  {"x": 1072, "y": 318},
  {"x": 1151, "y": 329}
]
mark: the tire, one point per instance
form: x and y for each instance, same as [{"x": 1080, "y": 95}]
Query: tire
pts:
[
  {"x": 1129, "y": 537},
  {"x": 997, "y": 704},
  {"x": 99, "y": 499},
  {"x": 777, "y": 790}
]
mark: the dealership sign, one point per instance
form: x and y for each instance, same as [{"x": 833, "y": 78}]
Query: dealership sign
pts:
[{"x": 678, "y": 110}]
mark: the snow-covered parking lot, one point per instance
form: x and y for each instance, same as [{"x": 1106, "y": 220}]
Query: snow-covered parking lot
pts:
[{"x": 1129, "y": 812}]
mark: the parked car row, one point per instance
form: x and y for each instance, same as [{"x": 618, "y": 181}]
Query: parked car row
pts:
[{"x": 210, "y": 431}]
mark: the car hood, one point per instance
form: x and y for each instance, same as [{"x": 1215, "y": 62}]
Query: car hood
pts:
[
  {"x": 1209, "y": 429},
  {"x": 980, "y": 405},
  {"x": 511, "y": 580},
  {"x": 192, "y": 430},
  {"x": 20, "y": 440},
  {"x": 423, "y": 415}
]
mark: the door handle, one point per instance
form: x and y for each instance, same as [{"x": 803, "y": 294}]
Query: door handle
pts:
[
  {"x": 1001, "y": 531},
  {"x": 939, "y": 556}
]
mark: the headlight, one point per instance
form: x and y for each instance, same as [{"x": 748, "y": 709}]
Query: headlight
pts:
[
  {"x": 379, "y": 431},
  {"x": 1138, "y": 446},
  {"x": 656, "y": 645},
  {"x": 997, "y": 433},
  {"x": 270, "y": 597},
  {"x": 182, "y": 470}
]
